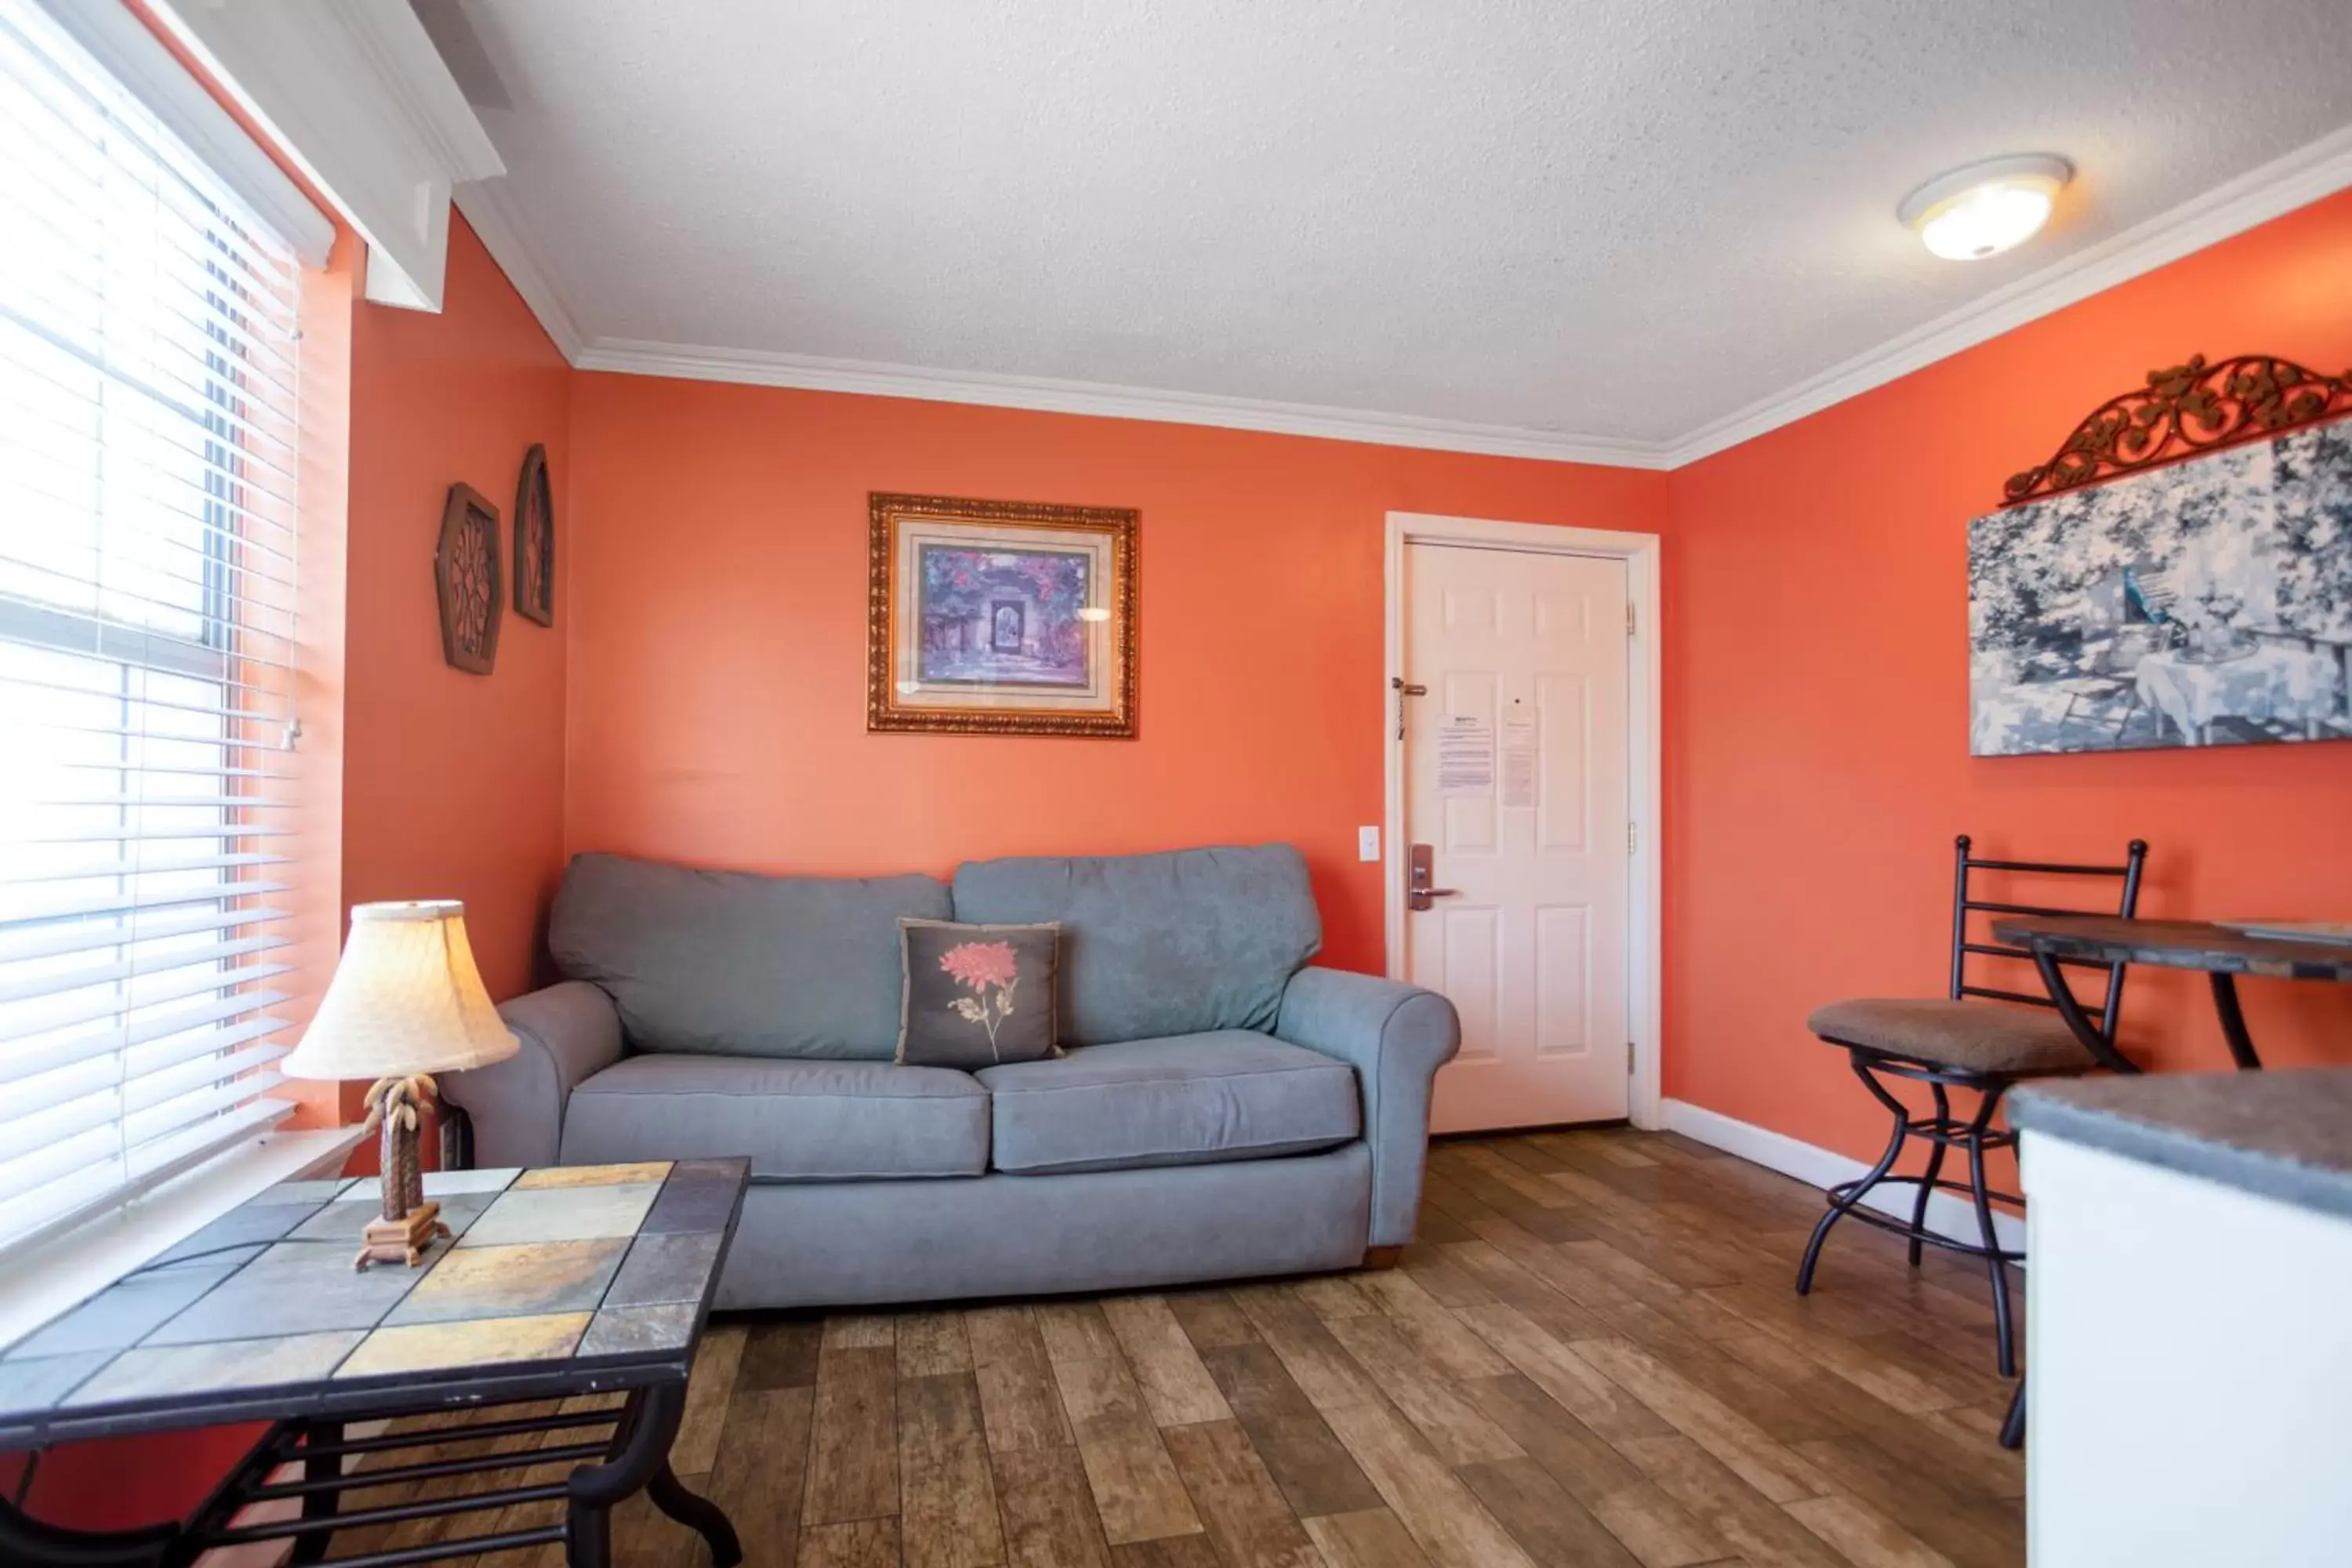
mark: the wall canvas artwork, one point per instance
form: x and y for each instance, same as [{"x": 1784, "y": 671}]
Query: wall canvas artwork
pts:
[
  {"x": 1001, "y": 617},
  {"x": 2204, "y": 603}
]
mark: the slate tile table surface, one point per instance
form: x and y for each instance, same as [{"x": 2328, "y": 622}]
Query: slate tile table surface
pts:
[{"x": 555, "y": 1282}]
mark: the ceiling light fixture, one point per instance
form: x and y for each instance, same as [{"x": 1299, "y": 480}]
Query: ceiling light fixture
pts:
[{"x": 1988, "y": 207}]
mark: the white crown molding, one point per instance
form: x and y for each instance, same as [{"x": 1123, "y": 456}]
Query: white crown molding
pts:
[
  {"x": 354, "y": 94},
  {"x": 2301, "y": 177},
  {"x": 494, "y": 224},
  {"x": 812, "y": 373},
  {"x": 2317, "y": 169}
]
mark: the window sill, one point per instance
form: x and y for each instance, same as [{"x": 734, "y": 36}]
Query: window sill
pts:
[{"x": 55, "y": 1274}]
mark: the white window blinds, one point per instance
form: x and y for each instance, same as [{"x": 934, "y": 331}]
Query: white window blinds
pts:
[{"x": 148, "y": 416}]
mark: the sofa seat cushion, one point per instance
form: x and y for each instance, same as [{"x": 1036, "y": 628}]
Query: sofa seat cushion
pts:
[
  {"x": 1187, "y": 1100},
  {"x": 797, "y": 1121}
]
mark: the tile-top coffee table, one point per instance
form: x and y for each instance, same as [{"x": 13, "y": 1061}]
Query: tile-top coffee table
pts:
[{"x": 555, "y": 1283}]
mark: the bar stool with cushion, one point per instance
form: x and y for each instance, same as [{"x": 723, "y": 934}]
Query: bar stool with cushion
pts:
[{"x": 1953, "y": 1042}]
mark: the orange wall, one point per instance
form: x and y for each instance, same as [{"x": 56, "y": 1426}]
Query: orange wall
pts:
[
  {"x": 718, "y": 633},
  {"x": 452, "y": 784},
  {"x": 1817, "y": 706}
]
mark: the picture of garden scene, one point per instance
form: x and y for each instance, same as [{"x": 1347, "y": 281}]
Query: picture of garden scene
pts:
[
  {"x": 1004, "y": 617},
  {"x": 2208, "y": 603}
]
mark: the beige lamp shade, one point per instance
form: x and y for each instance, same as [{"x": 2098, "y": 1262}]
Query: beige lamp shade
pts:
[{"x": 406, "y": 999}]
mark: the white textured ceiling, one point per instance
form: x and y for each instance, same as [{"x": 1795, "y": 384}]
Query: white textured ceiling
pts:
[{"x": 1609, "y": 218}]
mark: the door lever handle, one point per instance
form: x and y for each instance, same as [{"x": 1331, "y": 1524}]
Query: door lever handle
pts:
[{"x": 1418, "y": 871}]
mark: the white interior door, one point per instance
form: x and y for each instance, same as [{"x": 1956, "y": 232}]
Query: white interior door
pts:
[{"x": 1515, "y": 780}]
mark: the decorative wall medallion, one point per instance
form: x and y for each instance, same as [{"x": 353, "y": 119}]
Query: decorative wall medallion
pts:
[
  {"x": 1001, "y": 617},
  {"x": 466, "y": 572},
  {"x": 534, "y": 540}
]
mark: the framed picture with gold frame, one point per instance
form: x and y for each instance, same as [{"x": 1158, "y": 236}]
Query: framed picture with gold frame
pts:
[{"x": 990, "y": 617}]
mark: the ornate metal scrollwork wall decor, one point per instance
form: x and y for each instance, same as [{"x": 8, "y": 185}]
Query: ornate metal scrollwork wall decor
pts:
[{"x": 2183, "y": 412}]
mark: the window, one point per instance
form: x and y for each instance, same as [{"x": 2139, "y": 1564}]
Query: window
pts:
[{"x": 148, "y": 419}]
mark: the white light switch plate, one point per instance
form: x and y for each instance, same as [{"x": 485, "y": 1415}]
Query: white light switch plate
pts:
[{"x": 1368, "y": 844}]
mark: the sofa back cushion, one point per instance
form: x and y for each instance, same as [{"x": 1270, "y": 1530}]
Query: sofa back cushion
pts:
[
  {"x": 733, "y": 963},
  {"x": 1155, "y": 945}
]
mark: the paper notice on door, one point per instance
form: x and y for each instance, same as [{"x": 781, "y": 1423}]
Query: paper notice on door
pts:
[
  {"x": 1465, "y": 756},
  {"x": 1519, "y": 762}
]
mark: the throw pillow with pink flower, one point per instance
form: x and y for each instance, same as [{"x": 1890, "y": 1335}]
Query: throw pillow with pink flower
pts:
[{"x": 976, "y": 997}]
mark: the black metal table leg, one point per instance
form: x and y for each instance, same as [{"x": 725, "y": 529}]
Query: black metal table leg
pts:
[
  {"x": 319, "y": 1469},
  {"x": 2013, "y": 1426},
  {"x": 2234, "y": 1020},
  {"x": 640, "y": 1460},
  {"x": 696, "y": 1512},
  {"x": 2102, "y": 1049},
  {"x": 634, "y": 1454}
]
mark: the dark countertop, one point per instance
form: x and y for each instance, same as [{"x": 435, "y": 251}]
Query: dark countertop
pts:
[{"x": 2281, "y": 1134}]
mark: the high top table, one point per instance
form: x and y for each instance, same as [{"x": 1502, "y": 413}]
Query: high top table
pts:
[
  {"x": 2223, "y": 953},
  {"x": 556, "y": 1283}
]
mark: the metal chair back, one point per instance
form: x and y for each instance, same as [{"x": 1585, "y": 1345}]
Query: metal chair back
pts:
[{"x": 1966, "y": 866}]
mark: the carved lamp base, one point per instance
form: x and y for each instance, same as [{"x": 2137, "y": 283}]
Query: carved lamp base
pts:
[
  {"x": 402, "y": 1240},
  {"x": 409, "y": 1224}
]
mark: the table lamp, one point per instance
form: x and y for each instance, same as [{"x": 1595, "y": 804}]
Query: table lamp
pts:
[{"x": 405, "y": 1003}]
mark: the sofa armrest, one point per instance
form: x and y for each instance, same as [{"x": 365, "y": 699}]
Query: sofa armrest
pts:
[
  {"x": 1396, "y": 1037},
  {"x": 565, "y": 1033}
]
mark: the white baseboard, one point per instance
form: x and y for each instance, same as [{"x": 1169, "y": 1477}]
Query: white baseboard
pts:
[{"x": 1948, "y": 1214}]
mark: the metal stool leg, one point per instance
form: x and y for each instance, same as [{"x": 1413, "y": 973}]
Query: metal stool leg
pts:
[
  {"x": 1935, "y": 1171},
  {"x": 2013, "y": 1426},
  {"x": 1995, "y": 1264},
  {"x": 1845, "y": 1194},
  {"x": 1942, "y": 1129}
]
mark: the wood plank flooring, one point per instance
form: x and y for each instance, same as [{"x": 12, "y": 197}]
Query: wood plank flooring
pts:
[{"x": 1593, "y": 1356}]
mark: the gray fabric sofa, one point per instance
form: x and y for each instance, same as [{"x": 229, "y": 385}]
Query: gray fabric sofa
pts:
[{"x": 1223, "y": 1109}]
